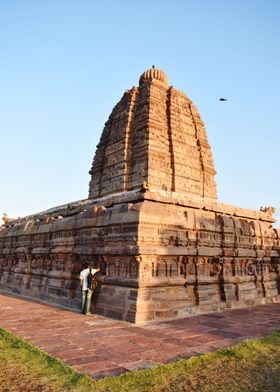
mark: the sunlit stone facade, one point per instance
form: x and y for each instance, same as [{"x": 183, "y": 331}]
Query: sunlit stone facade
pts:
[{"x": 167, "y": 247}]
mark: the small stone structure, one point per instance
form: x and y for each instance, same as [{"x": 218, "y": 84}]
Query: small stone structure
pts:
[{"x": 167, "y": 247}]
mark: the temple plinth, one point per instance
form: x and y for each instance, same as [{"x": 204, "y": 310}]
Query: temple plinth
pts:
[{"x": 168, "y": 248}]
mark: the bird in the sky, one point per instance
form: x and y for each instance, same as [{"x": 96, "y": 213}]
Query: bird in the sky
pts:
[{"x": 222, "y": 99}]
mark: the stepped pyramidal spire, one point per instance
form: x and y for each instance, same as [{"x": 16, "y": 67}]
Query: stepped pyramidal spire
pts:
[{"x": 154, "y": 138}]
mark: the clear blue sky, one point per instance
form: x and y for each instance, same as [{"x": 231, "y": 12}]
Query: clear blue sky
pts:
[{"x": 65, "y": 64}]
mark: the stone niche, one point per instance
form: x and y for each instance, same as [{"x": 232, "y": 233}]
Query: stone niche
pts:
[{"x": 166, "y": 246}]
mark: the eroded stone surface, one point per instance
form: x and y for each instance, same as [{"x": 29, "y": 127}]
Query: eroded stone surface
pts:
[
  {"x": 154, "y": 138},
  {"x": 167, "y": 247}
]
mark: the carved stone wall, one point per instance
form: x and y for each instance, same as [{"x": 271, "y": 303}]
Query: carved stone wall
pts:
[
  {"x": 42, "y": 258},
  {"x": 197, "y": 260},
  {"x": 166, "y": 246}
]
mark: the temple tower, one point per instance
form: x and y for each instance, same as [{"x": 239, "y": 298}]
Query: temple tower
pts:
[
  {"x": 166, "y": 246},
  {"x": 154, "y": 138}
]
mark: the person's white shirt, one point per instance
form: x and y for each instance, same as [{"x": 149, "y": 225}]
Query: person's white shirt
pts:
[{"x": 84, "y": 275}]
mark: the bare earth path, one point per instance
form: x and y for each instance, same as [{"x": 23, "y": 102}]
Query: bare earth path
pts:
[{"x": 102, "y": 347}]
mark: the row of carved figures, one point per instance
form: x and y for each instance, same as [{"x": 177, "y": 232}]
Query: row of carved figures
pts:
[{"x": 126, "y": 267}]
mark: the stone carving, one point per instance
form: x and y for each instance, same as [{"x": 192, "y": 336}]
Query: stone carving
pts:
[
  {"x": 166, "y": 246},
  {"x": 269, "y": 210},
  {"x": 6, "y": 219}
]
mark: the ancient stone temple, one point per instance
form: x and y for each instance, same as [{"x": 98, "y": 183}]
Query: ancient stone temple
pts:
[{"x": 167, "y": 247}]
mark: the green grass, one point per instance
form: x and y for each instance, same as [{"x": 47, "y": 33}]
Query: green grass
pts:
[{"x": 249, "y": 366}]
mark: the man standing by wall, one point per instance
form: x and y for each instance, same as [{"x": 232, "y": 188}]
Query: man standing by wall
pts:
[{"x": 86, "y": 290}]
